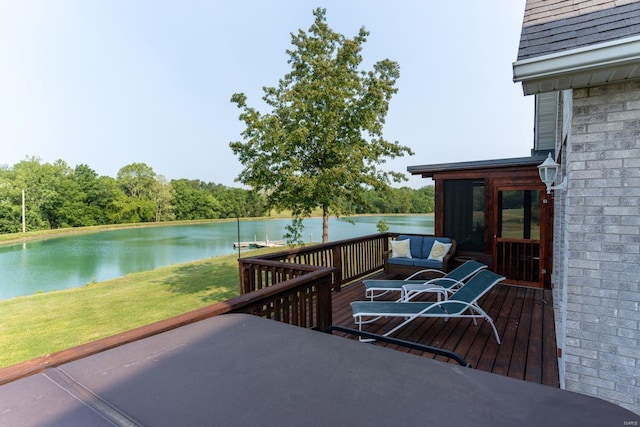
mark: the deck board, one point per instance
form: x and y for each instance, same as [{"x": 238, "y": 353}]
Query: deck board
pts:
[
  {"x": 534, "y": 354},
  {"x": 523, "y": 317}
]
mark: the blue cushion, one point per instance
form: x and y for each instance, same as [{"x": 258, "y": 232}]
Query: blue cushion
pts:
[
  {"x": 415, "y": 244},
  {"x": 427, "y": 263},
  {"x": 420, "y": 250},
  {"x": 428, "y": 244},
  {"x": 402, "y": 261},
  {"x": 416, "y": 262}
]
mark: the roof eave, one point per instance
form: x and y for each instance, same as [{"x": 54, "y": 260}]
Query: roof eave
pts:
[
  {"x": 428, "y": 171},
  {"x": 582, "y": 67}
]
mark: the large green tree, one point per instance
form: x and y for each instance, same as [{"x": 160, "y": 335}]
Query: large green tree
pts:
[
  {"x": 139, "y": 184},
  {"x": 192, "y": 200},
  {"x": 322, "y": 144}
]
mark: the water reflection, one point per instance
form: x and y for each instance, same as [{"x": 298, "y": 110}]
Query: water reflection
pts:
[{"x": 71, "y": 261}]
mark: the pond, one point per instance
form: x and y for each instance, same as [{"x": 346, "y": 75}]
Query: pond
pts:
[{"x": 75, "y": 260}]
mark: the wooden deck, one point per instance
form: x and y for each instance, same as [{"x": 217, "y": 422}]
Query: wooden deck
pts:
[{"x": 522, "y": 315}]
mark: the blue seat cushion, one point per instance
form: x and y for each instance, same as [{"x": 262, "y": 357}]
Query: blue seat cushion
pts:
[
  {"x": 416, "y": 262},
  {"x": 427, "y": 263},
  {"x": 402, "y": 261}
]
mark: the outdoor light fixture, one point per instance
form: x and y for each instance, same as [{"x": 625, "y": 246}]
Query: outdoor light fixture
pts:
[{"x": 548, "y": 171}]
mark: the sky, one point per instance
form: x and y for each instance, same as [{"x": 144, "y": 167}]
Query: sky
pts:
[{"x": 108, "y": 83}]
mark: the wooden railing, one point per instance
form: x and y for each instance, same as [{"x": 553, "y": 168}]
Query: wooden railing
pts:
[
  {"x": 519, "y": 261},
  {"x": 292, "y": 293},
  {"x": 351, "y": 259}
]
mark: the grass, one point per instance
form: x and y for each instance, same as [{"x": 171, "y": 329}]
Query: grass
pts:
[
  {"x": 44, "y": 323},
  {"x": 513, "y": 227},
  {"x": 10, "y": 238}
]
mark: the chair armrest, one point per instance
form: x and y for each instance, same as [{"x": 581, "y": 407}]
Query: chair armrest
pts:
[{"x": 449, "y": 256}]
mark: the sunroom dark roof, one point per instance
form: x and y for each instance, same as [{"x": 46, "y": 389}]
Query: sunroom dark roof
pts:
[{"x": 428, "y": 171}]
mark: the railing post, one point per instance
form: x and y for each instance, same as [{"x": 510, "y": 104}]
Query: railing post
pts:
[
  {"x": 245, "y": 272},
  {"x": 337, "y": 264},
  {"x": 324, "y": 308},
  {"x": 241, "y": 277},
  {"x": 385, "y": 250}
]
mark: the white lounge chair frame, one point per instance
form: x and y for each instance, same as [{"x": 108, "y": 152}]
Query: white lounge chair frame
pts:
[
  {"x": 449, "y": 281},
  {"x": 461, "y": 304}
]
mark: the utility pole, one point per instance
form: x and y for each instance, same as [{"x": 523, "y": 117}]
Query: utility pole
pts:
[{"x": 24, "y": 222}]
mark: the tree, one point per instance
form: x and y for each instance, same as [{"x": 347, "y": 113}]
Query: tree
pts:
[
  {"x": 10, "y": 202},
  {"x": 423, "y": 200},
  {"x": 321, "y": 145},
  {"x": 39, "y": 182},
  {"x": 191, "y": 200},
  {"x": 138, "y": 181},
  {"x": 163, "y": 199}
]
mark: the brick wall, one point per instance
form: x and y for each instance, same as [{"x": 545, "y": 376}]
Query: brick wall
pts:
[
  {"x": 560, "y": 229},
  {"x": 601, "y": 283}
]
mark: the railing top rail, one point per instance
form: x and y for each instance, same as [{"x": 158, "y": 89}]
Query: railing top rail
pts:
[
  {"x": 519, "y": 240},
  {"x": 319, "y": 273},
  {"x": 274, "y": 263},
  {"x": 319, "y": 246},
  {"x": 393, "y": 234}
]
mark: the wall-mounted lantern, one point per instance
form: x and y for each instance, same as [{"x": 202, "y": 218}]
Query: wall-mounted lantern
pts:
[{"x": 548, "y": 171}]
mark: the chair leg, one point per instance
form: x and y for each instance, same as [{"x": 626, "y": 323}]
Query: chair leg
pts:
[
  {"x": 488, "y": 319},
  {"x": 361, "y": 322}
]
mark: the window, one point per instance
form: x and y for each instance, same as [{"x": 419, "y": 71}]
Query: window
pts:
[
  {"x": 464, "y": 213},
  {"x": 519, "y": 214}
]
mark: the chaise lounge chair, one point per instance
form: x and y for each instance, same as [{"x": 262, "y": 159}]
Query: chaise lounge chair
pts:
[
  {"x": 462, "y": 303},
  {"x": 449, "y": 281}
]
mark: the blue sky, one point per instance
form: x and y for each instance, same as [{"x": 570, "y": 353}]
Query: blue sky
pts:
[{"x": 112, "y": 82}]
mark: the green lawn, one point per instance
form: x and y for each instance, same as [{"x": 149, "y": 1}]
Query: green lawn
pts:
[{"x": 44, "y": 323}]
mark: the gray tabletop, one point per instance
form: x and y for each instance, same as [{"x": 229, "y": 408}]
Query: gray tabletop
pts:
[{"x": 244, "y": 370}]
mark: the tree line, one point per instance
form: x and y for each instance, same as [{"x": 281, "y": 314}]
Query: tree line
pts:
[{"x": 60, "y": 196}]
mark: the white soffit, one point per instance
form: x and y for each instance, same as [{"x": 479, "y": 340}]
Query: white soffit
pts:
[{"x": 582, "y": 67}]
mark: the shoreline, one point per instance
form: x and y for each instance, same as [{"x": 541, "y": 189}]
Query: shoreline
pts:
[{"x": 30, "y": 236}]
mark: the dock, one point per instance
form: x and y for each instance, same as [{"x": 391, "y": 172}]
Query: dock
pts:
[{"x": 259, "y": 244}]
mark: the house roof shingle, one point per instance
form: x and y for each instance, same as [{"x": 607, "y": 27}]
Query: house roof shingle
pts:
[{"x": 552, "y": 26}]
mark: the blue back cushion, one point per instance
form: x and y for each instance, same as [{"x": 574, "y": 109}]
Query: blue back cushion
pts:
[
  {"x": 428, "y": 244},
  {"x": 415, "y": 244}
]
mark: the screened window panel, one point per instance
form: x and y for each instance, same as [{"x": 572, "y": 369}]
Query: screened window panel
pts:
[{"x": 464, "y": 213}]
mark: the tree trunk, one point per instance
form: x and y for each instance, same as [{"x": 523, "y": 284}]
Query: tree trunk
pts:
[{"x": 325, "y": 224}]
